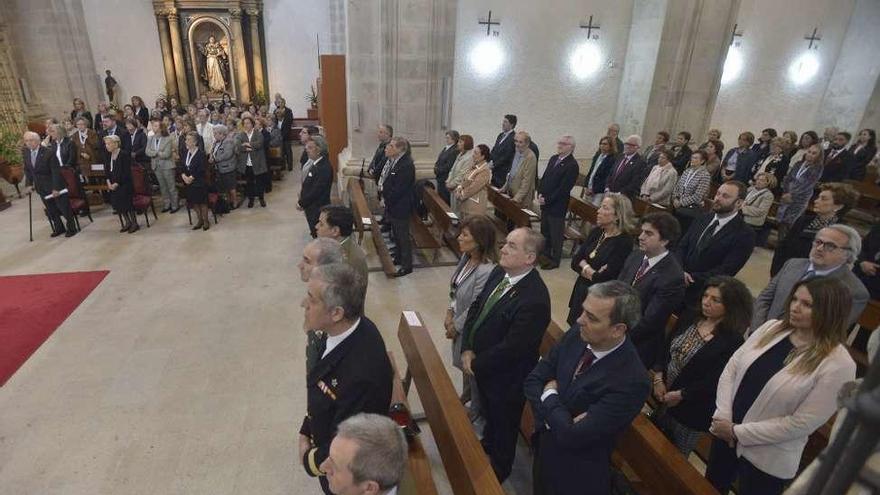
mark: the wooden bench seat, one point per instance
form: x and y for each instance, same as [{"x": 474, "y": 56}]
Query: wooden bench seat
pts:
[
  {"x": 642, "y": 207},
  {"x": 464, "y": 460},
  {"x": 417, "y": 478},
  {"x": 364, "y": 221},
  {"x": 422, "y": 236},
  {"x": 445, "y": 219},
  {"x": 509, "y": 209}
]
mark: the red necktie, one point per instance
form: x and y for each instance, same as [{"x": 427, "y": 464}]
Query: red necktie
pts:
[
  {"x": 623, "y": 164},
  {"x": 585, "y": 362},
  {"x": 642, "y": 269}
]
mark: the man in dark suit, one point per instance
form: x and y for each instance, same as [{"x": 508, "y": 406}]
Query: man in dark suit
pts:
[
  {"x": 719, "y": 243},
  {"x": 834, "y": 250},
  {"x": 652, "y": 153},
  {"x": 113, "y": 128},
  {"x": 43, "y": 173},
  {"x": 384, "y": 133},
  {"x": 316, "y": 184},
  {"x": 444, "y": 163},
  {"x": 839, "y": 161},
  {"x": 353, "y": 374},
  {"x": 588, "y": 390},
  {"x": 738, "y": 162},
  {"x": 553, "y": 192},
  {"x": 681, "y": 159},
  {"x": 629, "y": 170},
  {"x": 396, "y": 184},
  {"x": 502, "y": 153},
  {"x": 284, "y": 117},
  {"x": 655, "y": 273},
  {"x": 501, "y": 337}
]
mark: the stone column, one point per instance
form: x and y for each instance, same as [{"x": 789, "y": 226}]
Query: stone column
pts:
[
  {"x": 240, "y": 66},
  {"x": 177, "y": 50},
  {"x": 167, "y": 55},
  {"x": 253, "y": 15}
]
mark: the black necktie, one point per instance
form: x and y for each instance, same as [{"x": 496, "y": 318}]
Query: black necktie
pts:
[{"x": 707, "y": 235}]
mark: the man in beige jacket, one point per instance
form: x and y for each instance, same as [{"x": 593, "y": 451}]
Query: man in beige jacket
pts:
[{"x": 520, "y": 185}]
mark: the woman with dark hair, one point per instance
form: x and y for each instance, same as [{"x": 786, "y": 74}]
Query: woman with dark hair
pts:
[
  {"x": 119, "y": 180},
  {"x": 463, "y": 164},
  {"x": 863, "y": 150},
  {"x": 691, "y": 189},
  {"x": 829, "y": 207},
  {"x": 778, "y": 388},
  {"x": 600, "y": 257},
  {"x": 175, "y": 108},
  {"x": 660, "y": 183},
  {"x": 797, "y": 188},
  {"x": 686, "y": 376},
  {"x": 251, "y": 160},
  {"x": 713, "y": 159},
  {"x": 762, "y": 147},
  {"x": 140, "y": 110},
  {"x": 138, "y": 141},
  {"x": 472, "y": 194},
  {"x": 79, "y": 111},
  {"x": 600, "y": 169},
  {"x": 479, "y": 248},
  {"x": 444, "y": 163},
  {"x": 774, "y": 162},
  {"x": 194, "y": 175},
  {"x": 808, "y": 138},
  {"x": 225, "y": 103}
]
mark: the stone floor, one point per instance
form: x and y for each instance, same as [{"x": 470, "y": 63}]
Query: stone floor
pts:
[{"x": 182, "y": 373}]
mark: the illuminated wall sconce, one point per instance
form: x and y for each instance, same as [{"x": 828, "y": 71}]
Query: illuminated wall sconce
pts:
[
  {"x": 804, "y": 68},
  {"x": 487, "y": 57},
  {"x": 585, "y": 60},
  {"x": 733, "y": 65}
]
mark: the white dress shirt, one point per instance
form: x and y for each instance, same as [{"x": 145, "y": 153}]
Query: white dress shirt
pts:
[{"x": 335, "y": 340}]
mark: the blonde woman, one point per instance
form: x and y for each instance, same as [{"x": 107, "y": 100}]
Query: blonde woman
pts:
[
  {"x": 471, "y": 195},
  {"x": 778, "y": 388},
  {"x": 463, "y": 164}
]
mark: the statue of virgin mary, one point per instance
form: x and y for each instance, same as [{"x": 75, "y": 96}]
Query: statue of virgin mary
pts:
[{"x": 214, "y": 53}]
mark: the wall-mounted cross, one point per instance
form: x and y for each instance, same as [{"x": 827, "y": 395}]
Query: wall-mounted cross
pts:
[
  {"x": 813, "y": 38},
  {"x": 488, "y": 23},
  {"x": 734, "y": 35},
  {"x": 589, "y": 26}
]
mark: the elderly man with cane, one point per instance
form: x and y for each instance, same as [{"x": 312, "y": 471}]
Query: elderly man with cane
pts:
[{"x": 43, "y": 174}]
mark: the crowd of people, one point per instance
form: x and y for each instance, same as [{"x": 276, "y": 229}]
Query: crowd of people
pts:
[
  {"x": 203, "y": 149},
  {"x": 758, "y": 374}
]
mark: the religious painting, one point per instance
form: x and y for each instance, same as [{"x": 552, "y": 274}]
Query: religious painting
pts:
[{"x": 211, "y": 61}]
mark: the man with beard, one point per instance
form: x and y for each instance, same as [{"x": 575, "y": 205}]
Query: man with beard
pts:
[
  {"x": 839, "y": 161},
  {"x": 720, "y": 243}
]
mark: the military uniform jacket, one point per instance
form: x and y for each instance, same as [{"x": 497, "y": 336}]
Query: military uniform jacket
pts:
[{"x": 355, "y": 377}]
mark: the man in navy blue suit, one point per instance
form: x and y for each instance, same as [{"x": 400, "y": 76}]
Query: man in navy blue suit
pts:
[
  {"x": 553, "y": 193},
  {"x": 585, "y": 393}
]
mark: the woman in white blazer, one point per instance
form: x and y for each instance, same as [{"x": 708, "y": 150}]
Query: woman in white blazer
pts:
[{"x": 778, "y": 388}]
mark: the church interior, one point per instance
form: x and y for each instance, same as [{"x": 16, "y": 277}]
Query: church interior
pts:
[{"x": 172, "y": 357}]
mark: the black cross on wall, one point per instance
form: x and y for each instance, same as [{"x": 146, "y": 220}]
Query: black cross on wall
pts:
[
  {"x": 734, "y": 35},
  {"x": 812, "y": 39},
  {"x": 589, "y": 26},
  {"x": 489, "y": 23}
]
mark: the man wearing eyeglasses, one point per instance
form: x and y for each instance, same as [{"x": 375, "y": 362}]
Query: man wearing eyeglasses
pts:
[{"x": 834, "y": 251}]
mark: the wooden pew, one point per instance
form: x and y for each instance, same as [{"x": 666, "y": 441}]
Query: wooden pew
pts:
[
  {"x": 364, "y": 221},
  {"x": 585, "y": 210},
  {"x": 422, "y": 236},
  {"x": 444, "y": 218},
  {"x": 642, "y": 207},
  {"x": 509, "y": 209},
  {"x": 417, "y": 478},
  {"x": 642, "y": 451},
  {"x": 467, "y": 466}
]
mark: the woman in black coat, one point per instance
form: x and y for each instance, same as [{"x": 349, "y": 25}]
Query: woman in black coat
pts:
[
  {"x": 829, "y": 207},
  {"x": 601, "y": 256},
  {"x": 138, "y": 142},
  {"x": 600, "y": 169},
  {"x": 863, "y": 150},
  {"x": 79, "y": 110},
  {"x": 194, "y": 175},
  {"x": 695, "y": 353},
  {"x": 117, "y": 166}
]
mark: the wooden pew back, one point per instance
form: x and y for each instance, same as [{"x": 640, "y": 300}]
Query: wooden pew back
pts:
[
  {"x": 510, "y": 209},
  {"x": 466, "y": 464},
  {"x": 363, "y": 216},
  {"x": 417, "y": 478},
  {"x": 444, "y": 218},
  {"x": 585, "y": 210}
]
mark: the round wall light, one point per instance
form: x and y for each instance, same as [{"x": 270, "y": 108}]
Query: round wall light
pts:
[
  {"x": 585, "y": 60},
  {"x": 804, "y": 68},
  {"x": 733, "y": 65},
  {"x": 486, "y": 57}
]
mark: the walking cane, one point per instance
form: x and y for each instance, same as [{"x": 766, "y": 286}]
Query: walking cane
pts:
[{"x": 31, "y": 215}]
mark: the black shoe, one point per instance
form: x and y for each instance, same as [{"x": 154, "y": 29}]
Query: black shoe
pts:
[
  {"x": 251, "y": 203},
  {"x": 70, "y": 233},
  {"x": 134, "y": 228},
  {"x": 198, "y": 226},
  {"x": 173, "y": 210},
  {"x": 207, "y": 225},
  {"x": 56, "y": 233},
  {"x": 549, "y": 266},
  {"x": 262, "y": 202},
  {"x": 125, "y": 228},
  {"x": 402, "y": 272},
  {"x": 166, "y": 209}
]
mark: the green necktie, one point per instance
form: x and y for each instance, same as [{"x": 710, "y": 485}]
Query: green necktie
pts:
[{"x": 490, "y": 302}]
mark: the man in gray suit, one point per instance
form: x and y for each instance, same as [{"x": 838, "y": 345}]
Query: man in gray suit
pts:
[{"x": 834, "y": 251}]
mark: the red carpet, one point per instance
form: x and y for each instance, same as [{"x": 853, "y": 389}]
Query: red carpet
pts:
[{"x": 32, "y": 307}]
